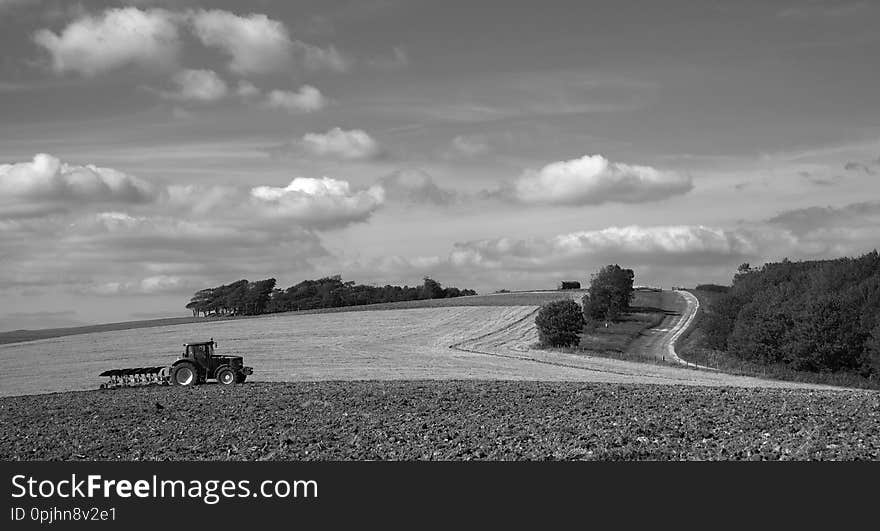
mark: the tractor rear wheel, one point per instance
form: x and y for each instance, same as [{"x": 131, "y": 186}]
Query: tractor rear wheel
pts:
[
  {"x": 184, "y": 374},
  {"x": 226, "y": 376}
]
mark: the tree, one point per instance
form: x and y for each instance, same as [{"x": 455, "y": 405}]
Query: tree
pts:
[
  {"x": 257, "y": 297},
  {"x": 610, "y": 293},
  {"x": 432, "y": 289},
  {"x": 560, "y": 323},
  {"x": 201, "y": 301}
]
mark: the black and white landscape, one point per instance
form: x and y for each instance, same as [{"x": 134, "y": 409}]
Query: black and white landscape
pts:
[{"x": 441, "y": 230}]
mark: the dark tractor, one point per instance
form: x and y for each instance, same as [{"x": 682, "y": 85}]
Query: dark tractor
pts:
[
  {"x": 196, "y": 365},
  {"x": 199, "y": 363}
]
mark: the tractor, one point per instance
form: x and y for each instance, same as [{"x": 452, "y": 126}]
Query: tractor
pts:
[{"x": 196, "y": 365}]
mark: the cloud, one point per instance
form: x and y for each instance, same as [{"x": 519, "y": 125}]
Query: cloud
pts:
[
  {"x": 46, "y": 184},
  {"x": 115, "y": 253},
  {"x": 592, "y": 180},
  {"x": 247, "y": 90},
  {"x": 669, "y": 254},
  {"x": 632, "y": 244},
  {"x": 415, "y": 186},
  {"x": 197, "y": 85},
  {"x": 329, "y": 58},
  {"x": 354, "y": 144},
  {"x": 323, "y": 203},
  {"x": 469, "y": 146},
  {"x": 811, "y": 233},
  {"x": 858, "y": 166},
  {"x": 820, "y": 181},
  {"x": 818, "y": 220},
  {"x": 118, "y": 37},
  {"x": 306, "y": 99},
  {"x": 256, "y": 43}
]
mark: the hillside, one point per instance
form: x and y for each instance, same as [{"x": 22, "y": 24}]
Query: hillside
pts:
[{"x": 526, "y": 298}]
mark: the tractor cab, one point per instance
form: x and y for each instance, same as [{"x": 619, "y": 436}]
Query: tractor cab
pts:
[{"x": 199, "y": 352}]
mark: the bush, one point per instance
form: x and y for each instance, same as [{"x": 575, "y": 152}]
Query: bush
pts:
[{"x": 560, "y": 324}]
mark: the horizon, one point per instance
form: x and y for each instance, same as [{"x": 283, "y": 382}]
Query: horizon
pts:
[{"x": 149, "y": 149}]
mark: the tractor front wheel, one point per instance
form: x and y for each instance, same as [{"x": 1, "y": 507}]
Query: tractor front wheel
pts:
[
  {"x": 184, "y": 375},
  {"x": 240, "y": 377},
  {"x": 226, "y": 376}
]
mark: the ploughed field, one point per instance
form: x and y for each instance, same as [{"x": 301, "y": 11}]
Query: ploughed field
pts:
[{"x": 451, "y": 419}]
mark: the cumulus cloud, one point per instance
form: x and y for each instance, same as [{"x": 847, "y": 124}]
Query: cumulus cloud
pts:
[
  {"x": 256, "y": 44},
  {"x": 415, "y": 186},
  {"x": 306, "y": 99},
  {"x": 323, "y": 202},
  {"x": 354, "y": 144},
  {"x": 197, "y": 85},
  {"x": 118, "y": 37},
  {"x": 46, "y": 184},
  {"x": 592, "y": 180},
  {"x": 635, "y": 243}
]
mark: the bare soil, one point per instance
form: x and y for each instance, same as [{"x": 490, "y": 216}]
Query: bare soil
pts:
[{"x": 447, "y": 420}]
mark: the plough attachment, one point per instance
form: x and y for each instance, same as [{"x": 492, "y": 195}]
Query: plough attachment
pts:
[{"x": 138, "y": 376}]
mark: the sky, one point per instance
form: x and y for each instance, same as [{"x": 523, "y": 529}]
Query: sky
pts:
[{"x": 149, "y": 149}]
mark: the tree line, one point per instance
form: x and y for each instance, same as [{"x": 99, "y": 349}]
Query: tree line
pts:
[
  {"x": 817, "y": 316},
  {"x": 253, "y": 298}
]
